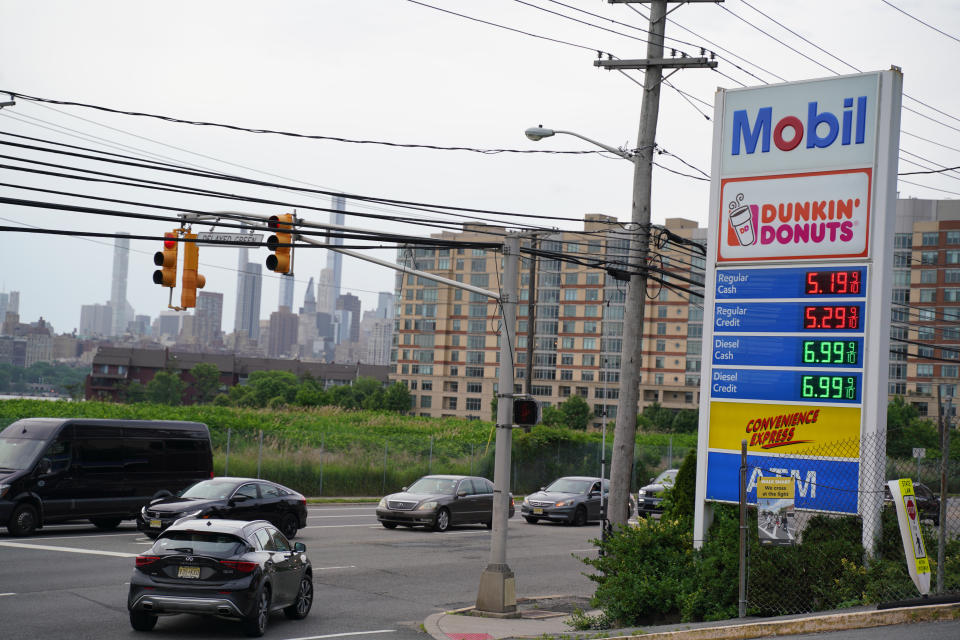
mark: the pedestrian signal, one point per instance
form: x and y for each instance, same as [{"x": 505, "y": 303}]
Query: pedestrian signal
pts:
[{"x": 526, "y": 412}]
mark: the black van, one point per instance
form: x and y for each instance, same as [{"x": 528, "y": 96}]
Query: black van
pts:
[{"x": 59, "y": 469}]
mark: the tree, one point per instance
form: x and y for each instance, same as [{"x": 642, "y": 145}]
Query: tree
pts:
[
  {"x": 207, "y": 381},
  {"x": 266, "y": 385},
  {"x": 397, "y": 398},
  {"x": 552, "y": 417},
  {"x": 906, "y": 430},
  {"x": 135, "y": 392},
  {"x": 166, "y": 388},
  {"x": 576, "y": 413},
  {"x": 655, "y": 418}
]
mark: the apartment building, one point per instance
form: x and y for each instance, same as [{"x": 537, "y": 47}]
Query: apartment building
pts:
[
  {"x": 925, "y": 314},
  {"x": 446, "y": 348}
]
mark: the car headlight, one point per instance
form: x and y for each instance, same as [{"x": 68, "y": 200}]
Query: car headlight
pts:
[
  {"x": 382, "y": 504},
  {"x": 429, "y": 505},
  {"x": 191, "y": 514},
  {"x": 564, "y": 503},
  {"x": 526, "y": 501},
  {"x": 643, "y": 492},
  {"x": 3, "y": 489}
]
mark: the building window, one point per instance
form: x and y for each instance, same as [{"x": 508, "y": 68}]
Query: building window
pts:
[
  {"x": 927, "y": 276},
  {"x": 924, "y": 370},
  {"x": 953, "y": 237},
  {"x": 928, "y": 257},
  {"x": 426, "y": 402},
  {"x": 541, "y": 390},
  {"x": 473, "y": 404},
  {"x": 450, "y": 386},
  {"x": 449, "y": 403},
  {"x": 930, "y": 238},
  {"x": 902, "y": 241},
  {"x": 661, "y": 328},
  {"x": 564, "y": 392},
  {"x": 948, "y": 371},
  {"x": 474, "y": 387},
  {"x": 658, "y": 379}
]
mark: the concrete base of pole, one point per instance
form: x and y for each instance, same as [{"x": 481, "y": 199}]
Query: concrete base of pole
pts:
[{"x": 498, "y": 592}]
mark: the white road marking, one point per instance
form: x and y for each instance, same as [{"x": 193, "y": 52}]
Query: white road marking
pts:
[
  {"x": 340, "y": 635},
  {"x": 349, "y": 566},
  {"x": 83, "y": 537},
  {"x": 372, "y": 506},
  {"x": 46, "y": 547},
  {"x": 333, "y": 526},
  {"x": 350, "y": 516},
  {"x": 7, "y": 594}
]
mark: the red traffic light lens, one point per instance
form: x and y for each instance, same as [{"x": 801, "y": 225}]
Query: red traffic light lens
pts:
[{"x": 169, "y": 244}]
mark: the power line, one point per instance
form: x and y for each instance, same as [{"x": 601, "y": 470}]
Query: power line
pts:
[{"x": 926, "y": 24}]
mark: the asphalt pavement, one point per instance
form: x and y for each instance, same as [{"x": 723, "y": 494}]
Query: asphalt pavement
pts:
[{"x": 537, "y": 620}]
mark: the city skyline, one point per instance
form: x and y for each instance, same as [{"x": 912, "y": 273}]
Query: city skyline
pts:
[{"x": 479, "y": 97}]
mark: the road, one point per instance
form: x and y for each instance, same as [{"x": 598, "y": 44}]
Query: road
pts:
[{"x": 70, "y": 581}]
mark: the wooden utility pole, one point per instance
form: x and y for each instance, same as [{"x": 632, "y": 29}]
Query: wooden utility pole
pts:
[{"x": 625, "y": 431}]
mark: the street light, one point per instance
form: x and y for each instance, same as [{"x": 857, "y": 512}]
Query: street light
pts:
[
  {"x": 625, "y": 430},
  {"x": 539, "y": 133}
]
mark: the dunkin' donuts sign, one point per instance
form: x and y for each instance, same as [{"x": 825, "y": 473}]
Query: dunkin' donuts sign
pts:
[{"x": 797, "y": 171}]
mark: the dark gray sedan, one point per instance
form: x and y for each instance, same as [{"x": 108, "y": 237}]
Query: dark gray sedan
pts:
[
  {"x": 574, "y": 500},
  {"x": 440, "y": 501}
]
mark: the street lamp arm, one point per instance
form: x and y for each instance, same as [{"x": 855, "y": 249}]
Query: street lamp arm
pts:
[{"x": 538, "y": 133}]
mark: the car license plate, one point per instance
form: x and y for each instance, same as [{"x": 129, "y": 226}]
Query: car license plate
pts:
[
  {"x": 188, "y": 572},
  {"x": 537, "y": 511},
  {"x": 155, "y": 524}
]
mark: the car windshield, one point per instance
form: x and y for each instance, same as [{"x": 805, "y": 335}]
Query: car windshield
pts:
[
  {"x": 445, "y": 486},
  {"x": 210, "y": 490},
  {"x": 19, "y": 453},
  {"x": 666, "y": 478},
  {"x": 201, "y": 543},
  {"x": 570, "y": 485}
]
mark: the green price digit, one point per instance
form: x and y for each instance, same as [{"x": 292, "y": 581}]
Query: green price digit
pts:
[
  {"x": 851, "y": 352},
  {"x": 809, "y": 355},
  {"x": 823, "y": 382},
  {"x": 836, "y": 387},
  {"x": 806, "y": 390}
]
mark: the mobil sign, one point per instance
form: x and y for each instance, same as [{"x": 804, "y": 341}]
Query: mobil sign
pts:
[{"x": 797, "y": 170}]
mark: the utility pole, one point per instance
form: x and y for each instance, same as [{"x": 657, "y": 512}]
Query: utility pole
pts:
[
  {"x": 531, "y": 314},
  {"x": 945, "y": 409},
  {"x": 625, "y": 431}
]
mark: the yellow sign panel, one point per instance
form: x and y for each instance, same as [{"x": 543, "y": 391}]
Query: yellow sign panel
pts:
[
  {"x": 775, "y": 488},
  {"x": 789, "y": 429}
]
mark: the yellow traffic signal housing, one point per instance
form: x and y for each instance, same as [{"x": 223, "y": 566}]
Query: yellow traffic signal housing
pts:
[
  {"x": 281, "y": 259},
  {"x": 166, "y": 275},
  {"x": 191, "y": 279}
]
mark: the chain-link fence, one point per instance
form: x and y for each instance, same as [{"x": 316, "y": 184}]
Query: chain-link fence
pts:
[
  {"x": 376, "y": 467},
  {"x": 837, "y": 489}
]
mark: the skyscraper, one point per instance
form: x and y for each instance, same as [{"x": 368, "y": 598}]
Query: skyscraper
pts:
[
  {"x": 208, "y": 318},
  {"x": 385, "y": 307},
  {"x": 326, "y": 297},
  {"x": 118, "y": 285},
  {"x": 351, "y": 303},
  {"x": 335, "y": 259},
  {"x": 286, "y": 292},
  {"x": 246, "y": 319}
]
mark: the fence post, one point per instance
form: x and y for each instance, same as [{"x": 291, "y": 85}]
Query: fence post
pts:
[
  {"x": 259, "y": 453},
  {"x": 743, "y": 529},
  {"x": 471, "y": 458},
  {"x": 384, "y": 491},
  {"x": 670, "y": 454},
  {"x": 430, "y": 463},
  {"x": 226, "y": 464},
  {"x": 322, "y": 435}
]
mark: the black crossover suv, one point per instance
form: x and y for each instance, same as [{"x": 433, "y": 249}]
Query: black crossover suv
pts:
[{"x": 225, "y": 568}]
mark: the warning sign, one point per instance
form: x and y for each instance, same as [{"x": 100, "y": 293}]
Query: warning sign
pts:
[
  {"x": 917, "y": 562},
  {"x": 775, "y": 510}
]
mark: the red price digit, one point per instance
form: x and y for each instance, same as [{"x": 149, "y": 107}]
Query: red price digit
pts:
[
  {"x": 854, "y": 318},
  {"x": 855, "y": 282},
  {"x": 813, "y": 287},
  {"x": 810, "y": 318},
  {"x": 840, "y": 315},
  {"x": 840, "y": 286}
]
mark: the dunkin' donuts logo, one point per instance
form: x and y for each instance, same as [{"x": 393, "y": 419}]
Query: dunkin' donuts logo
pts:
[
  {"x": 790, "y": 222},
  {"x": 808, "y": 215}
]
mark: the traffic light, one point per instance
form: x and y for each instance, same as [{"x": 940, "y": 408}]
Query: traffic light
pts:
[
  {"x": 280, "y": 260},
  {"x": 526, "y": 412},
  {"x": 166, "y": 275},
  {"x": 191, "y": 279}
]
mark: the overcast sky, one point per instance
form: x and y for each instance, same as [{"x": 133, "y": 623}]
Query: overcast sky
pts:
[{"x": 401, "y": 72}]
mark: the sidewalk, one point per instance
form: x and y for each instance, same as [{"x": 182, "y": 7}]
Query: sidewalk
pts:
[{"x": 537, "y": 620}]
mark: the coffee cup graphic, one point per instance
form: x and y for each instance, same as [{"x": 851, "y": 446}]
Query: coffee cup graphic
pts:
[{"x": 741, "y": 219}]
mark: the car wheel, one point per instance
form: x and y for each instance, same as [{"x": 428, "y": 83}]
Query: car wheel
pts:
[
  {"x": 288, "y": 526},
  {"x": 389, "y": 525},
  {"x": 23, "y": 521},
  {"x": 442, "y": 523},
  {"x": 105, "y": 524},
  {"x": 301, "y": 605},
  {"x": 255, "y": 624},
  {"x": 579, "y": 517},
  {"x": 531, "y": 519},
  {"x": 142, "y": 621}
]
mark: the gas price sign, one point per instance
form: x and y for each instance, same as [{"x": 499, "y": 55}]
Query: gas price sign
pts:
[{"x": 802, "y": 207}]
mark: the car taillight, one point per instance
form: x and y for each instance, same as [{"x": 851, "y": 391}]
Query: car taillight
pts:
[
  {"x": 242, "y": 567},
  {"x": 143, "y": 561}
]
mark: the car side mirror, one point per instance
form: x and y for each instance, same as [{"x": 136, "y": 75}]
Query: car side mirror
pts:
[
  {"x": 403, "y": 488},
  {"x": 652, "y": 479},
  {"x": 461, "y": 493},
  {"x": 238, "y": 498},
  {"x": 543, "y": 488},
  {"x": 299, "y": 547},
  {"x": 44, "y": 466}
]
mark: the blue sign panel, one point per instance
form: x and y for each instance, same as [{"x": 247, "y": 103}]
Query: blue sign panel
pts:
[
  {"x": 821, "y": 484},
  {"x": 782, "y": 317},
  {"x": 767, "y": 384},
  {"x": 809, "y": 282},
  {"x": 788, "y": 351}
]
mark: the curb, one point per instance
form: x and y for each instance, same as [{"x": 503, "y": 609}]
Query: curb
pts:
[{"x": 835, "y": 622}]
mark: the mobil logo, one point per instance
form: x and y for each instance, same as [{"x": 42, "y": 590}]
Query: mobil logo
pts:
[{"x": 822, "y": 125}]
